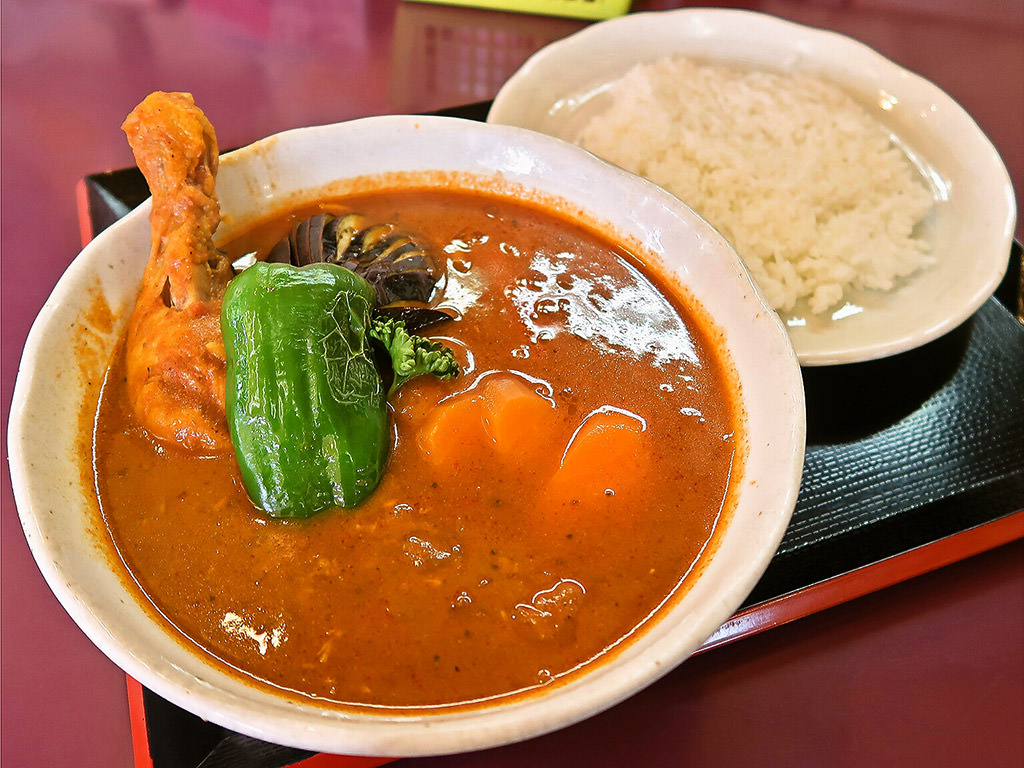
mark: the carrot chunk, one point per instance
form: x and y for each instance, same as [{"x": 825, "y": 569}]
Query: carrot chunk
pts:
[
  {"x": 503, "y": 418},
  {"x": 454, "y": 431},
  {"x": 518, "y": 420},
  {"x": 606, "y": 459}
]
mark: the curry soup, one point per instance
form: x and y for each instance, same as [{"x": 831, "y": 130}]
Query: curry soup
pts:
[{"x": 535, "y": 511}]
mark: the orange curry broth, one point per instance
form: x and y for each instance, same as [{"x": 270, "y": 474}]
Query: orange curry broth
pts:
[{"x": 491, "y": 559}]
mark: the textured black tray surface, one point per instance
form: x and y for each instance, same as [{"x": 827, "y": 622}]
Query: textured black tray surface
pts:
[{"x": 901, "y": 452}]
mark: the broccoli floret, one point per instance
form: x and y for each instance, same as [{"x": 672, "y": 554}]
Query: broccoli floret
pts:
[{"x": 412, "y": 355}]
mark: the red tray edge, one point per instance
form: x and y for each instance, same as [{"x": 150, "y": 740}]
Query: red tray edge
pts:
[{"x": 815, "y": 598}]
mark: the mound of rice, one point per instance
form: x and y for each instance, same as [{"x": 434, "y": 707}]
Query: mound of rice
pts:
[{"x": 805, "y": 184}]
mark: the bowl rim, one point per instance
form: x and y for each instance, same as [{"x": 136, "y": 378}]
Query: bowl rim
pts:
[
  {"x": 990, "y": 242},
  {"x": 304, "y": 726}
]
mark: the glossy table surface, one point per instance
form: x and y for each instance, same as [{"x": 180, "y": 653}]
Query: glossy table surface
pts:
[{"x": 929, "y": 672}]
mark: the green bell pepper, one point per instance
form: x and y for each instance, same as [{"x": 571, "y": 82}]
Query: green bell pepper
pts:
[{"x": 306, "y": 403}]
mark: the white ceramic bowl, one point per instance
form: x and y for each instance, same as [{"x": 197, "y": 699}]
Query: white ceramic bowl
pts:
[
  {"x": 970, "y": 230},
  {"x": 57, "y": 511}
]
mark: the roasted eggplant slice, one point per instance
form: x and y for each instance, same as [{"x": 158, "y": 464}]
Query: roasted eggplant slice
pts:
[{"x": 398, "y": 266}]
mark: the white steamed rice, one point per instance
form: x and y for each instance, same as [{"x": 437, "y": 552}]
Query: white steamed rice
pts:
[{"x": 807, "y": 186}]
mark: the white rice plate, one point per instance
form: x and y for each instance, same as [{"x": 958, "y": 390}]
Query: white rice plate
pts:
[
  {"x": 810, "y": 189},
  {"x": 969, "y": 230}
]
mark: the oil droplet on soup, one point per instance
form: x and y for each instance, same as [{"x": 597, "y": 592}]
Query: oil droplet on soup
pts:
[{"x": 535, "y": 510}]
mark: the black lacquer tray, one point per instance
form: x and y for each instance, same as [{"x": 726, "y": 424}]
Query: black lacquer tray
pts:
[{"x": 912, "y": 462}]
